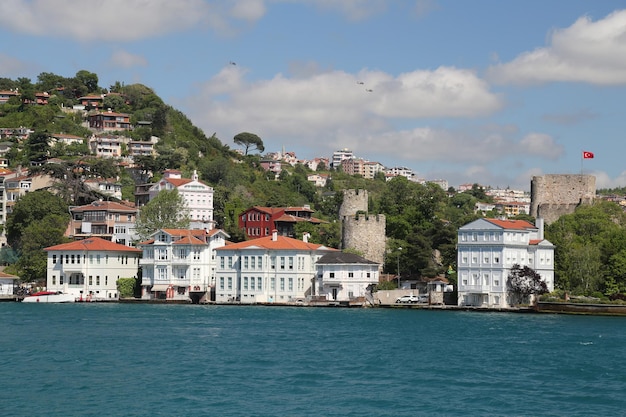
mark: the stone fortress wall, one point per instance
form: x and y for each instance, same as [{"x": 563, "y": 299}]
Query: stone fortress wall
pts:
[
  {"x": 554, "y": 195},
  {"x": 362, "y": 232}
]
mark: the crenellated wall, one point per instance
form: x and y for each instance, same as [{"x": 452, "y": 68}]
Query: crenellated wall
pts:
[
  {"x": 554, "y": 195},
  {"x": 362, "y": 232}
]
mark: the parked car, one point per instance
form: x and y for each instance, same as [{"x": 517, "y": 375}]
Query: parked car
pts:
[
  {"x": 424, "y": 298},
  {"x": 411, "y": 299}
]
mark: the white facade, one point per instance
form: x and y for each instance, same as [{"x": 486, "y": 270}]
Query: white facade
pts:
[
  {"x": 345, "y": 276},
  {"x": 488, "y": 248},
  {"x": 90, "y": 268},
  {"x": 179, "y": 264},
  {"x": 7, "y": 283},
  {"x": 271, "y": 269},
  {"x": 340, "y": 156},
  {"x": 198, "y": 197}
]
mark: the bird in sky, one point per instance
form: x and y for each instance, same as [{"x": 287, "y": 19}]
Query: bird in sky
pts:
[
  {"x": 369, "y": 90},
  {"x": 233, "y": 63},
  {"x": 359, "y": 82}
]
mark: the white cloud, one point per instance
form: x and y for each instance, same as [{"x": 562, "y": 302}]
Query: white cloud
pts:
[
  {"x": 113, "y": 20},
  {"x": 124, "y": 59},
  {"x": 321, "y": 111},
  {"x": 333, "y": 101},
  {"x": 587, "y": 51}
]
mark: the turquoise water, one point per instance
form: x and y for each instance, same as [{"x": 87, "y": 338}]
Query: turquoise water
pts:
[{"x": 191, "y": 360}]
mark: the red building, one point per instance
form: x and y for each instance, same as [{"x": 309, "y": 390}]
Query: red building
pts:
[{"x": 259, "y": 221}]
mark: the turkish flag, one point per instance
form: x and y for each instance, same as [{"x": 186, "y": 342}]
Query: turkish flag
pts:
[{"x": 587, "y": 155}]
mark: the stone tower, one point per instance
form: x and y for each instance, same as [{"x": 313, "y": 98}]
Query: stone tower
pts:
[
  {"x": 361, "y": 231},
  {"x": 554, "y": 195}
]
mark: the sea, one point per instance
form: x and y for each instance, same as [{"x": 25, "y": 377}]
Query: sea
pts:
[{"x": 117, "y": 359}]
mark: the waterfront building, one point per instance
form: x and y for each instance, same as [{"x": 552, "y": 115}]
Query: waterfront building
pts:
[
  {"x": 179, "y": 264},
  {"x": 271, "y": 269},
  {"x": 488, "y": 249},
  {"x": 7, "y": 283},
  {"x": 89, "y": 268},
  {"x": 105, "y": 219},
  {"x": 345, "y": 276}
]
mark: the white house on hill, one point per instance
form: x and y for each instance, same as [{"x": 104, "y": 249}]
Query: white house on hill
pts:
[{"x": 488, "y": 249}]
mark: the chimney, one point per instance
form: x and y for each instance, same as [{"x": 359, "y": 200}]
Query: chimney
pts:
[
  {"x": 274, "y": 235},
  {"x": 539, "y": 225},
  {"x": 305, "y": 237}
]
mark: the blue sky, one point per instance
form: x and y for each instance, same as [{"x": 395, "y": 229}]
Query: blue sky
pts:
[{"x": 487, "y": 91}]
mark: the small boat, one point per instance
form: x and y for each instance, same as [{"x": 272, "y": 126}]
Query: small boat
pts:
[{"x": 49, "y": 297}]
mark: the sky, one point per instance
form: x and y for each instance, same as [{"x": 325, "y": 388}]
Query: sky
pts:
[{"x": 487, "y": 91}]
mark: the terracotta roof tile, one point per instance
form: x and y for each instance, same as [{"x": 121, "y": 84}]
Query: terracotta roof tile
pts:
[
  {"x": 281, "y": 243},
  {"x": 93, "y": 244}
]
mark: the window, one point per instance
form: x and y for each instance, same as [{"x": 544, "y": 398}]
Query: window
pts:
[
  {"x": 259, "y": 262},
  {"x": 54, "y": 280},
  {"x": 221, "y": 283},
  {"x": 290, "y": 283},
  {"x": 222, "y": 262},
  {"x": 282, "y": 284},
  {"x": 245, "y": 283},
  {"x": 350, "y": 274},
  {"x": 331, "y": 275},
  {"x": 272, "y": 284},
  {"x": 282, "y": 262},
  {"x": 496, "y": 259},
  {"x": 230, "y": 283},
  {"x": 90, "y": 280},
  {"x": 259, "y": 283},
  {"x": 252, "y": 282},
  {"x": 54, "y": 259},
  {"x": 291, "y": 262},
  {"x": 252, "y": 262}
]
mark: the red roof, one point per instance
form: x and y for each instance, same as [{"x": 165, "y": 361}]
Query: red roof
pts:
[
  {"x": 281, "y": 243},
  {"x": 104, "y": 206},
  {"x": 93, "y": 244},
  {"x": 512, "y": 224}
]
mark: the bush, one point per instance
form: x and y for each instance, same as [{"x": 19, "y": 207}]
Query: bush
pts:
[{"x": 126, "y": 287}]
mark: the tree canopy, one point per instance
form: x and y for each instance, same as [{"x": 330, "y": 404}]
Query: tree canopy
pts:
[
  {"x": 165, "y": 211},
  {"x": 249, "y": 141}
]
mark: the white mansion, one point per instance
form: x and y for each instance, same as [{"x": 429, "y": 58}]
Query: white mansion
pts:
[
  {"x": 89, "y": 268},
  {"x": 488, "y": 248},
  {"x": 179, "y": 264}
]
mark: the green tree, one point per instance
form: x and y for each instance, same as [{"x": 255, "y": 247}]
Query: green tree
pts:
[
  {"x": 30, "y": 208},
  {"x": 165, "y": 211},
  {"x": 89, "y": 80},
  {"x": 523, "y": 282},
  {"x": 249, "y": 140},
  {"x": 126, "y": 287},
  {"x": 37, "y": 147},
  {"x": 38, "y": 235}
]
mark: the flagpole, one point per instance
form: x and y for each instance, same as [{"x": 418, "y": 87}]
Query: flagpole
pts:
[{"x": 582, "y": 158}]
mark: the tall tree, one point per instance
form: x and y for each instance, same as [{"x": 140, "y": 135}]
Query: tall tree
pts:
[
  {"x": 165, "y": 211},
  {"x": 32, "y": 208},
  {"x": 525, "y": 281},
  {"x": 249, "y": 141}
]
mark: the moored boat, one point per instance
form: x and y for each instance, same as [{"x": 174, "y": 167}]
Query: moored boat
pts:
[{"x": 49, "y": 297}]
